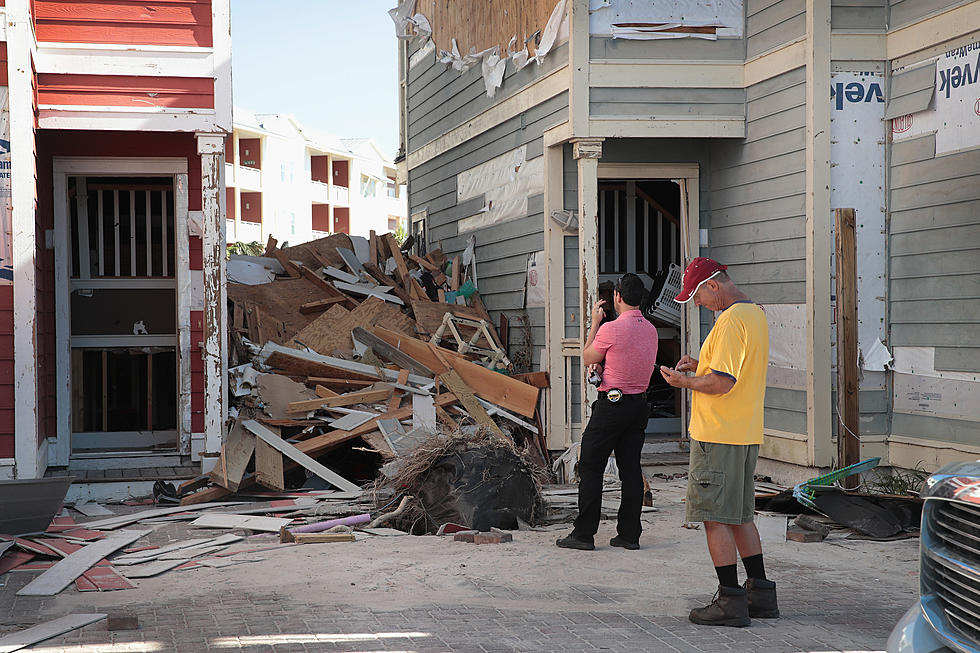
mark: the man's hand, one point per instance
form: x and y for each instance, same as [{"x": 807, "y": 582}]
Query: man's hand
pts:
[
  {"x": 687, "y": 364},
  {"x": 598, "y": 312},
  {"x": 673, "y": 377},
  {"x": 596, "y": 367}
]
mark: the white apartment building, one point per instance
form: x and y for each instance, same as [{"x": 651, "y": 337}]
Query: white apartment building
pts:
[{"x": 297, "y": 184}]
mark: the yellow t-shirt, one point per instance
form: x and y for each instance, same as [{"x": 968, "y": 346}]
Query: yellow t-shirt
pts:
[{"x": 737, "y": 347}]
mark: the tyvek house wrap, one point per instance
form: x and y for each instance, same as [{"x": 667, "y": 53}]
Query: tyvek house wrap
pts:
[{"x": 505, "y": 183}]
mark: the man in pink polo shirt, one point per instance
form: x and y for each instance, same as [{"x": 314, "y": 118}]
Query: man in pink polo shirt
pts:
[{"x": 624, "y": 352}]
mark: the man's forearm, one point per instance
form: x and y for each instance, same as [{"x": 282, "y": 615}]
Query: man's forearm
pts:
[{"x": 711, "y": 384}]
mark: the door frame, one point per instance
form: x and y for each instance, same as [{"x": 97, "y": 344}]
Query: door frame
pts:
[{"x": 60, "y": 452}]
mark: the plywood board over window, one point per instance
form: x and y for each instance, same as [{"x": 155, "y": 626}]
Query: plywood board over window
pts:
[{"x": 482, "y": 25}]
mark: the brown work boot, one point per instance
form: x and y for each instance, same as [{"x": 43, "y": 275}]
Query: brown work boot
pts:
[
  {"x": 729, "y": 607},
  {"x": 762, "y": 598}
]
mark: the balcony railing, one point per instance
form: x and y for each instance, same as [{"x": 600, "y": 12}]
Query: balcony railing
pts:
[
  {"x": 339, "y": 195},
  {"x": 319, "y": 192},
  {"x": 249, "y": 178},
  {"x": 249, "y": 232}
]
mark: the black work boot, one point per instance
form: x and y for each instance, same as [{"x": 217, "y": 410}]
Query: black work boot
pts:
[
  {"x": 730, "y": 607},
  {"x": 572, "y": 542},
  {"x": 762, "y": 598},
  {"x": 624, "y": 543}
]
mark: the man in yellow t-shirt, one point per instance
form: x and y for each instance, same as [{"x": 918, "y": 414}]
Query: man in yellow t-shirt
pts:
[{"x": 727, "y": 393}]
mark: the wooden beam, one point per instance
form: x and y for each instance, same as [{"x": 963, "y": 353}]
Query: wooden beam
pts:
[
  {"x": 291, "y": 268},
  {"x": 270, "y": 246},
  {"x": 848, "y": 406},
  {"x": 319, "y": 305},
  {"x": 373, "y": 247},
  {"x": 363, "y": 397},
  {"x": 298, "y": 456},
  {"x": 268, "y": 466},
  {"x": 457, "y": 273},
  {"x": 385, "y": 280},
  {"x": 465, "y": 395},
  {"x": 390, "y": 353}
]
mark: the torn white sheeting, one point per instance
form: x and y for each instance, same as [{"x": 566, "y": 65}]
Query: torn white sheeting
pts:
[
  {"x": 452, "y": 57},
  {"x": 657, "y": 31},
  {"x": 521, "y": 58},
  {"x": 534, "y": 284},
  {"x": 877, "y": 358},
  {"x": 685, "y": 13},
  {"x": 422, "y": 26},
  {"x": 787, "y": 335},
  {"x": 921, "y": 361},
  {"x": 505, "y": 182},
  {"x": 493, "y": 72},
  {"x": 946, "y": 397},
  {"x": 195, "y": 223},
  {"x": 248, "y": 273},
  {"x": 554, "y": 32},
  {"x": 242, "y": 379},
  {"x": 401, "y": 16}
]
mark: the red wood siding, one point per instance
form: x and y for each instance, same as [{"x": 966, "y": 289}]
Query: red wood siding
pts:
[
  {"x": 321, "y": 217},
  {"x": 341, "y": 220},
  {"x": 252, "y": 207},
  {"x": 341, "y": 172},
  {"x": 6, "y": 371},
  {"x": 229, "y": 149},
  {"x": 3, "y": 61},
  {"x": 230, "y": 203},
  {"x": 146, "y": 22},
  {"x": 318, "y": 169},
  {"x": 126, "y": 91}
]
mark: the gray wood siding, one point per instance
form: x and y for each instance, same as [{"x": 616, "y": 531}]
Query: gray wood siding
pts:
[
  {"x": 724, "y": 49},
  {"x": 661, "y": 102},
  {"x": 757, "y": 193},
  {"x": 501, "y": 249},
  {"x": 934, "y": 277},
  {"x": 770, "y": 24},
  {"x": 904, "y": 12},
  {"x": 440, "y": 99},
  {"x": 864, "y": 15},
  {"x": 934, "y": 248},
  {"x": 785, "y": 410}
]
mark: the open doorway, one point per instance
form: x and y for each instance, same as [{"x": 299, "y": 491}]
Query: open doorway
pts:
[
  {"x": 121, "y": 314},
  {"x": 640, "y": 231}
]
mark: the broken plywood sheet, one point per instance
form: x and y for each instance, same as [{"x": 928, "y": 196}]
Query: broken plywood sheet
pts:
[
  {"x": 251, "y": 522},
  {"x": 47, "y": 630},
  {"x": 277, "y": 392},
  {"x": 268, "y": 466},
  {"x": 429, "y": 316},
  {"x": 65, "y": 571},
  {"x": 331, "y": 331},
  {"x": 279, "y": 301},
  {"x": 321, "y": 252},
  {"x": 298, "y": 456},
  {"x": 235, "y": 456}
]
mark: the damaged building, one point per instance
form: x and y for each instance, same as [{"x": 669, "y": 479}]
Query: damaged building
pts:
[
  {"x": 576, "y": 141},
  {"x": 111, "y": 328}
]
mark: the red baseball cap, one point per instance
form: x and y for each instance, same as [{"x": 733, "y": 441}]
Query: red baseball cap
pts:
[{"x": 698, "y": 271}]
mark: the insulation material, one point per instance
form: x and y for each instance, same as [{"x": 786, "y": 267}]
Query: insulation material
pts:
[
  {"x": 955, "y": 112},
  {"x": 535, "y": 284},
  {"x": 857, "y": 181},
  {"x": 493, "y": 72},
  {"x": 402, "y": 17},
  {"x": 505, "y": 183},
  {"x": 628, "y": 19},
  {"x": 422, "y": 27},
  {"x": 946, "y": 397},
  {"x": 877, "y": 358},
  {"x": 921, "y": 361},
  {"x": 787, "y": 335}
]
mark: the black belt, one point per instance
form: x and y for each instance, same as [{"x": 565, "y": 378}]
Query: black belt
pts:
[{"x": 604, "y": 394}]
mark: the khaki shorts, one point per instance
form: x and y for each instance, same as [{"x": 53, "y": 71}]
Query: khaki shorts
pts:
[{"x": 721, "y": 482}]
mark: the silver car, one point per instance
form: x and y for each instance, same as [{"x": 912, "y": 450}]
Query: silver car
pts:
[{"x": 947, "y": 617}]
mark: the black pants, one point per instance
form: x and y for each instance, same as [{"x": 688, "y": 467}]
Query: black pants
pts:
[{"x": 613, "y": 427}]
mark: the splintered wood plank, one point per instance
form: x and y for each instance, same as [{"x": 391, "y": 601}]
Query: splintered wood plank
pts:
[
  {"x": 319, "y": 305},
  {"x": 455, "y": 382},
  {"x": 321, "y": 391},
  {"x": 385, "y": 280},
  {"x": 298, "y": 456},
  {"x": 457, "y": 273},
  {"x": 429, "y": 316},
  {"x": 537, "y": 379},
  {"x": 423, "y": 263},
  {"x": 496, "y": 388},
  {"x": 348, "y": 383},
  {"x": 373, "y": 247},
  {"x": 270, "y": 246},
  {"x": 65, "y": 571},
  {"x": 389, "y": 353},
  {"x": 291, "y": 268},
  {"x": 268, "y": 466},
  {"x": 363, "y": 397},
  {"x": 47, "y": 630},
  {"x": 235, "y": 456},
  {"x": 396, "y": 253},
  {"x": 327, "y": 287}
]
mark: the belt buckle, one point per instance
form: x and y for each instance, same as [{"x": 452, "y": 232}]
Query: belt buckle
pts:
[{"x": 614, "y": 395}]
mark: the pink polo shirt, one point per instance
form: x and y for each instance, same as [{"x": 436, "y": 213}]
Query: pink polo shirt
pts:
[{"x": 630, "y": 346}]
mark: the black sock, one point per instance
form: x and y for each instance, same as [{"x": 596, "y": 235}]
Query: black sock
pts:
[
  {"x": 727, "y": 575},
  {"x": 754, "y": 567}
]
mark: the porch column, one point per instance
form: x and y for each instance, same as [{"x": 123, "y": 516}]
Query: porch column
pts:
[
  {"x": 211, "y": 149},
  {"x": 819, "y": 242},
  {"x": 23, "y": 241},
  {"x": 587, "y": 152},
  {"x": 556, "y": 425}
]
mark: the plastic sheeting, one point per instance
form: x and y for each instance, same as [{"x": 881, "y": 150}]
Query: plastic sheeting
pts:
[
  {"x": 619, "y": 18},
  {"x": 505, "y": 182}
]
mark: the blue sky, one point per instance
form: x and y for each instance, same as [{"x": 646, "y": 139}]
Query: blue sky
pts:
[{"x": 332, "y": 64}]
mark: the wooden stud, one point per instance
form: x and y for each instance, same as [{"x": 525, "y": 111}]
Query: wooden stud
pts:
[
  {"x": 396, "y": 253},
  {"x": 291, "y": 268},
  {"x": 319, "y": 305},
  {"x": 324, "y": 392},
  {"x": 363, "y": 397},
  {"x": 457, "y": 272},
  {"x": 270, "y": 246},
  {"x": 373, "y": 247},
  {"x": 385, "y": 280},
  {"x": 848, "y": 406},
  {"x": 423, "y": 263},
  {"x": 268, "y": 466},
  {"x": 351, "y": 383}
]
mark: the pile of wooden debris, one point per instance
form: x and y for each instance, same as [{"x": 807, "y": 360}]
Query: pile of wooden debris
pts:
[{"x": 346, "y": 353}]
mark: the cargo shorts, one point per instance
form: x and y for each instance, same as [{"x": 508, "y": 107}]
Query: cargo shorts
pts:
[{"x": 721, "y": 482}]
